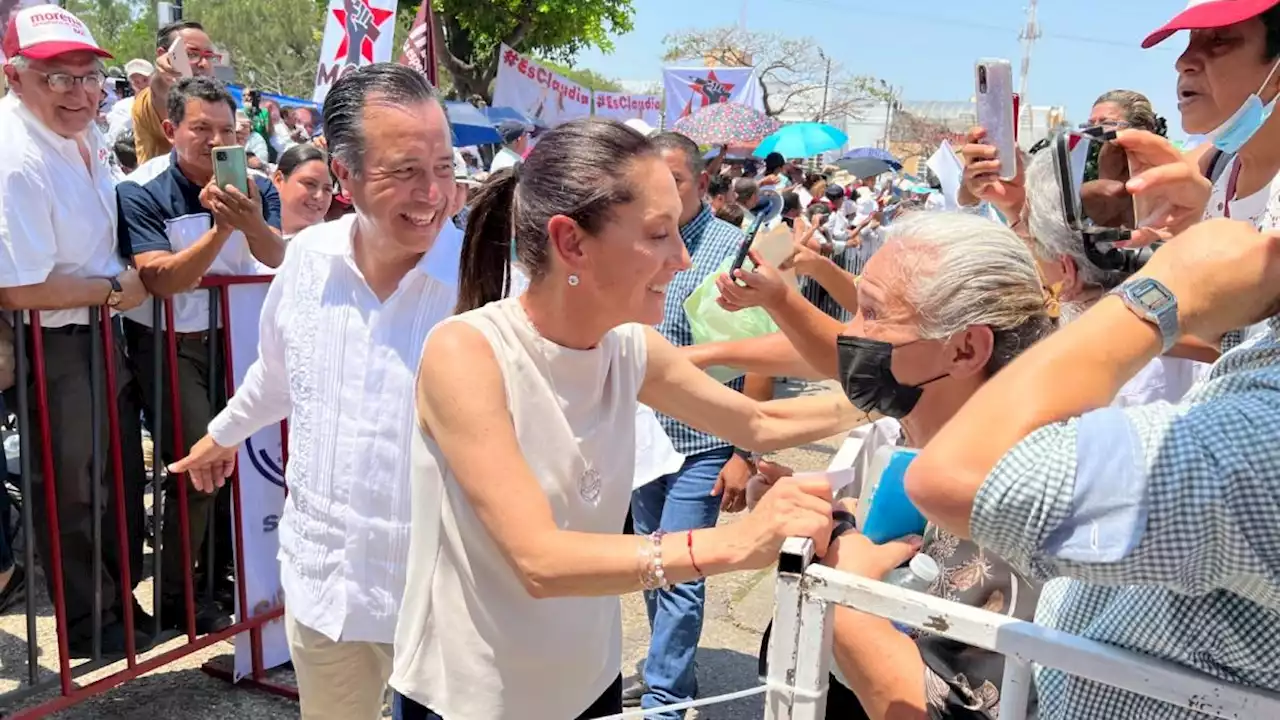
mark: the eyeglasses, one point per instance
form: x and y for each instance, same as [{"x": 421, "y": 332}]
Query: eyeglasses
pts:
[
  {"x": 1107, "y": 125},
  {"x": 62, "y": 83},
  {"x": 195, "y": 55}
]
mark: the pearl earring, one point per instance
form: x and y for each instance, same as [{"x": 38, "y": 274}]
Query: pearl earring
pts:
[{"x": 573, "y": 280}]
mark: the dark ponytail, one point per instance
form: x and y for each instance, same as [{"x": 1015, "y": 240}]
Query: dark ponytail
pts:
[
  {"x": 579, "y": 170},
  {"x": 485, "y": 268}
]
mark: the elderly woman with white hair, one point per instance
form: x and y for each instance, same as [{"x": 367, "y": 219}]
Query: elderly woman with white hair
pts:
[
  {"x": 1079, "y": 283},
  {"x": 948, "y": 301}
]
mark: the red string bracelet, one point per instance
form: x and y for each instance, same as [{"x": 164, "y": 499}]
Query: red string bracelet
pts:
[{"x": 693, "y": 561}]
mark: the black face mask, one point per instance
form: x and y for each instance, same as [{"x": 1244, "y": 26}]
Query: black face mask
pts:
[{"x": 866, "y": 374}]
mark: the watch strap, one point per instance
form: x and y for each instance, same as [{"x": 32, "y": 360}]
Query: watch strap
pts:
[
  {"x": 1166, "y": 320},
  {"x": 115, "y": 284}
]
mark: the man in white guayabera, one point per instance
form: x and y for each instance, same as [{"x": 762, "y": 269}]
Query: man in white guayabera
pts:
[{"x": 342, "y": 329}]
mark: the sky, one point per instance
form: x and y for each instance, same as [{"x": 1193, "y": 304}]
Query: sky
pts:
[{"x": 928, "y": 47}]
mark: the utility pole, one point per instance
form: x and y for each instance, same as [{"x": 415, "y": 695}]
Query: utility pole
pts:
[
  {"x": 1030, "y": 34},
  {"x": 890, "y": 107},
  {"x": 826, "y": 86}
]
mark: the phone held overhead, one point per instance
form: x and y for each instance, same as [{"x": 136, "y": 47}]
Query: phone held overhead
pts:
[{"x": 995, "y": 100}]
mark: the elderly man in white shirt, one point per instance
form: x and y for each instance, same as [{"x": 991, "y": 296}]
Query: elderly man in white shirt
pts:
[
  {"x": 342, "y": 328},
  {"x": 58, "y": 254}
]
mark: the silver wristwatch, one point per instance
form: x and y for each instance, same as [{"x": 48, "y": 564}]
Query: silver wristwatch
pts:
[{"x": 1150, "y": 300}]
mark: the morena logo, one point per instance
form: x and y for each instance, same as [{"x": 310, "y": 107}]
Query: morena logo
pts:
[
  {"x": 269, "y": 465},
  {"x": 58, "y": 18}
]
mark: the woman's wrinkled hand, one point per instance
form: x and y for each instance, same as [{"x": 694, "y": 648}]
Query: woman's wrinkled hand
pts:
[{"x": 763, "y": 286}]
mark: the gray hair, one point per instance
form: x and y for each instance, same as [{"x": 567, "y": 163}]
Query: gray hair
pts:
[
  {"x": 1137, "y": 109},
  {"x": 1051, "y": 239},
  {"x": 346, "y": 100},
  {"x": 972, "y": 271}
]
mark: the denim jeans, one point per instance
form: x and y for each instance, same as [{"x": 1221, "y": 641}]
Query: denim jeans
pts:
[{"x": 675, "y": 503}]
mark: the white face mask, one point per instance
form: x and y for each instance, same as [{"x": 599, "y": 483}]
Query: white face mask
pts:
[{"x": 1231, "y": 136}]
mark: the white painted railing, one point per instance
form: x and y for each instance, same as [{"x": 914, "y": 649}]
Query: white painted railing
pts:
[{"x": 800, "y": 647}]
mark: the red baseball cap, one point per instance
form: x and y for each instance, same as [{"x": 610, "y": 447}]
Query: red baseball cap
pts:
[
  {"x": 1206, "y": 14},
  {"x": 41, "y": 32}
]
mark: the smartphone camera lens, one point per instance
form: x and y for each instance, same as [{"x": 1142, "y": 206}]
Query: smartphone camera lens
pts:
[
  {"x": 222, "y": 156},
  {"x": 982, "y": 78}
]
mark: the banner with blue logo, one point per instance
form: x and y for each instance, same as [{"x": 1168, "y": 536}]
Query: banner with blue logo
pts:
[{"x": 262, "y": 492}]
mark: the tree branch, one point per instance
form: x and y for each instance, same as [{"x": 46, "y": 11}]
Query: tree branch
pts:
[{"x": 446, "y": 50}]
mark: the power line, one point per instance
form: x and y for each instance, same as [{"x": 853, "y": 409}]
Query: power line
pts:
[{"x": 963, "y": 23}]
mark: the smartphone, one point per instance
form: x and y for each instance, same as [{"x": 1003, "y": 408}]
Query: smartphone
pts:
[
  {"x": 746, "y": 245},
  {"x": 994, "y": 80},
  {"x": 178, "y": 58},
  {"x": 231, "y": 168}
]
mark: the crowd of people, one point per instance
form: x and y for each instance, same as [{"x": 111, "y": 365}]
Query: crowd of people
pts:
[{"x": 468, "y": 359}]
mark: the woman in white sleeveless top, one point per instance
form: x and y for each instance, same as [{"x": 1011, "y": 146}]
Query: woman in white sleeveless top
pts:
[{"x": 523, "y": 470}]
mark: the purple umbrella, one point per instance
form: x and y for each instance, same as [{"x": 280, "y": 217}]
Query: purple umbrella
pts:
[{"x": 727, "y": 123}]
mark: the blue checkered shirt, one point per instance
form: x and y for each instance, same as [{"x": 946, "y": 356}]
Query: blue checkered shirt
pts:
[
  {"x": 1169, "y": 532},
  {"x": 710, "y": 240}
]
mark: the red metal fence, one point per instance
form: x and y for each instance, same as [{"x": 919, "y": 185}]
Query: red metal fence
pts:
[{"x": 33, "y": 412}]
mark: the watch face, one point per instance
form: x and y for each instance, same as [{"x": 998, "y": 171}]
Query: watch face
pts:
[
  {"x": 1154, "y": 297},
  {"x": 1151, "y": 295}
]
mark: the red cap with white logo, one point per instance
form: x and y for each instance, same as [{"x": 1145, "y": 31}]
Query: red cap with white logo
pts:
[
  {"x": 44, "y": 31},
  {"x": 1208, "y": 14}
]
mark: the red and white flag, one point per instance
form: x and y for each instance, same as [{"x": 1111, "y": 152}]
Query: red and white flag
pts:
[{"x": 419, "y": 50}]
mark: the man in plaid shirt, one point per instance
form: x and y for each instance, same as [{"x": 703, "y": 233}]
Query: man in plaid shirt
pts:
[
  {"x": 1164, "y": 517},
  {"x": 687, "y": 499}
]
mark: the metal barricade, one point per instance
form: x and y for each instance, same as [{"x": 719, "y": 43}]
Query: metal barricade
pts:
[
  {"x": 800, "y": 647},
  {"x": 108, "y": 473}
]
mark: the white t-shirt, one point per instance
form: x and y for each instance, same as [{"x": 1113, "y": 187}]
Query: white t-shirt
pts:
[{"x": 1261, "y": 208}]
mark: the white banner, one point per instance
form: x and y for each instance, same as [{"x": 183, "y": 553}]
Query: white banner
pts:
[
  {"x": 689, "y": 89},
  {"x": 625, "y": 106},
  {"x": 356, "y": 33},
  {"x": 545, "y": 96},
  {"x": 261, "y": 472}
]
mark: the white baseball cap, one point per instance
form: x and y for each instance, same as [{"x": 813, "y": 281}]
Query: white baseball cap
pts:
[
  {"x": 640, "y": 126},
  {"x": 138, "y": 66},
  {"x": 41, "y": 32}
]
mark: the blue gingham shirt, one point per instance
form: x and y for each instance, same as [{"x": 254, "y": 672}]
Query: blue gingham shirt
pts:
[
  {"x": 1166, "y": 519},
  {"x": 710, "y": 240}
]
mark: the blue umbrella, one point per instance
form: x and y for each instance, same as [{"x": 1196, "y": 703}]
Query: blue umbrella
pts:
[
  {"x": 865, "y": 167},
  {"x": 500, "y": 113},
  {"x": 470, "y": 126},
  {"x": 873, "y": 153},
  {"x": 802, "y": 140}
]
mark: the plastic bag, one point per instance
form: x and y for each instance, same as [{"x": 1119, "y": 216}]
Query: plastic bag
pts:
[{"x": 712, "y": 323}]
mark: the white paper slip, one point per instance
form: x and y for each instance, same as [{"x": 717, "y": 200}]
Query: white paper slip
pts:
[{"x": 839, "y": 479}]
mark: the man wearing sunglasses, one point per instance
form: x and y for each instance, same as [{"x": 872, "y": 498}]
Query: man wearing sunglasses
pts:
[
  {"x": 58, "y": 255},
  {"x": 149, "y": 111}
]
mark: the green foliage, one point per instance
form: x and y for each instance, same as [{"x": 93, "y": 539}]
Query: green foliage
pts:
[
  {"x": 274, "y": 44},
  {"x": 553, "y": 29},
  {"x": 125, "y": 28}
]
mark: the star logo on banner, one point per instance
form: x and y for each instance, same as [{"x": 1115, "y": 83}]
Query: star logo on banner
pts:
[
  {"x": 712, "y": 89},
  {"x": 361, "y": 28}
]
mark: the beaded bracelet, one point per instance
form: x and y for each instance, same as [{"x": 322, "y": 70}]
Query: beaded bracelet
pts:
[{"x": 653, "y": 576}]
